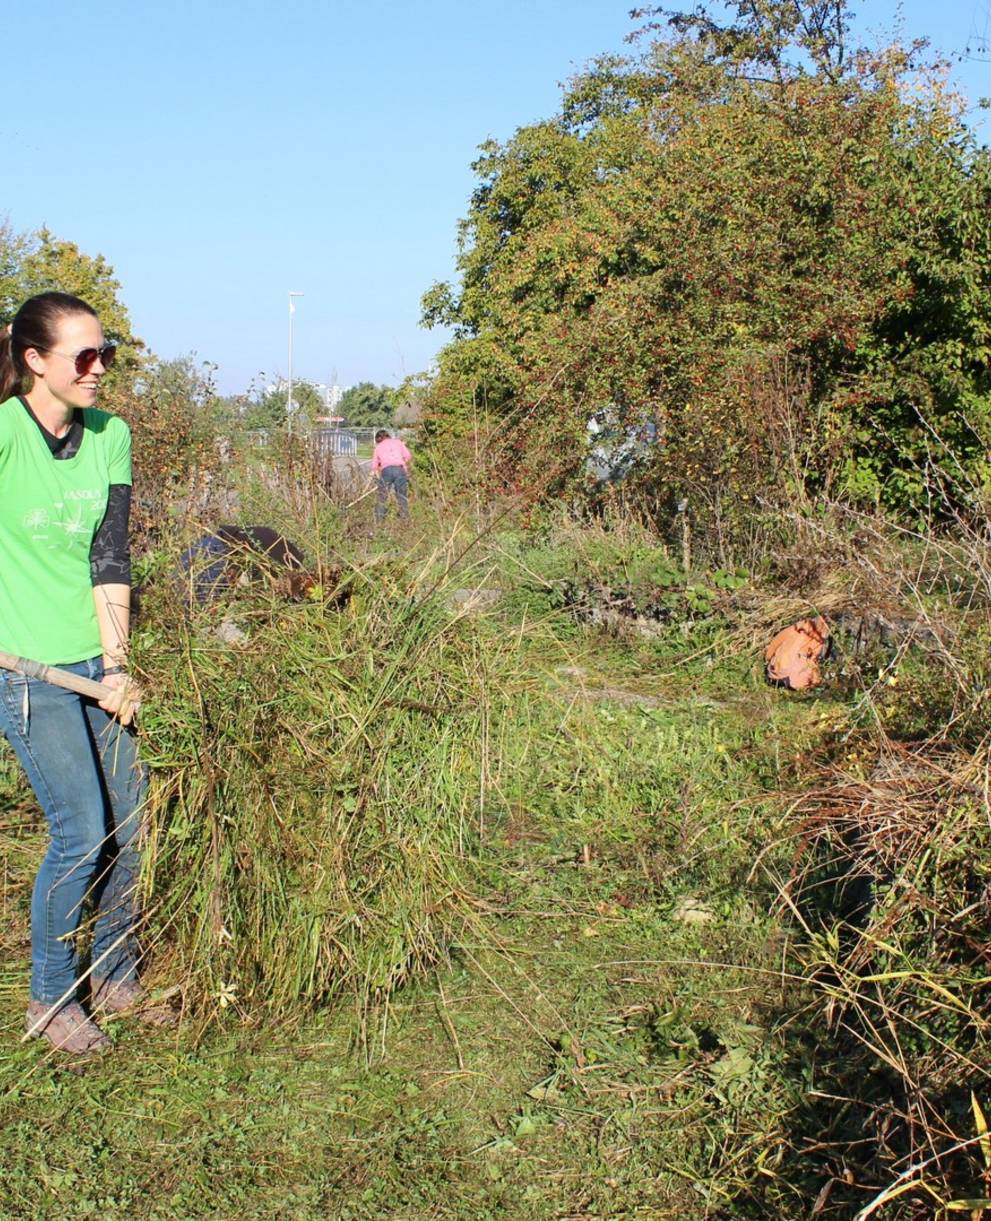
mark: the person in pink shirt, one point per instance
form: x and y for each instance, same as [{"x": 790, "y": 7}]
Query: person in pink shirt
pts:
[{"x": 390, "y": 466}]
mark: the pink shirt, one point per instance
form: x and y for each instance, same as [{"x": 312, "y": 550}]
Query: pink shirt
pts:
[{"x": 390, "y": 452}]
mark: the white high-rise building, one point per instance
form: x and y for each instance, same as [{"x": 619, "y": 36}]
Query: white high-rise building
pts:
[{"x": 331, "y": 395}]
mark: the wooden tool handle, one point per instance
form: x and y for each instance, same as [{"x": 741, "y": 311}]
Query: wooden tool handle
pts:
[{"x": 52, "y": 674}]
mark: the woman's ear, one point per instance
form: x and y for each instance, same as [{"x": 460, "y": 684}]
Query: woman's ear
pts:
[{"x": 34, "y": 361}]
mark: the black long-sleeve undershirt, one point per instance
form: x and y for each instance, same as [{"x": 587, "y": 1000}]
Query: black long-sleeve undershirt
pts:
[{"x": 110, "y": 550}]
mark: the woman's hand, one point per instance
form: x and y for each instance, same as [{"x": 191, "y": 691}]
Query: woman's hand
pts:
[{"x": 125, "y": 701}]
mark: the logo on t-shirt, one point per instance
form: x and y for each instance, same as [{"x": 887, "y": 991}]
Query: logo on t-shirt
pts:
[{"x": 57, "y": 523}]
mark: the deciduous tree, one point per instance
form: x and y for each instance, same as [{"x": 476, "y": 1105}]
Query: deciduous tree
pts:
[
  {"x": 268, "y": 408},
  {"x": 366, "y": 405},
  {"x": 40, "y": 262},
  {"x": 738, "y": 209}
]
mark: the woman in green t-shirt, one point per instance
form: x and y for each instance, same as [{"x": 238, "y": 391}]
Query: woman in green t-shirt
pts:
[{"x": 65, "y": 476}]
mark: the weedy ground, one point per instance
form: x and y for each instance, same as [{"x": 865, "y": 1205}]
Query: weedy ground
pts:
[{"x": 583, "y": 997}]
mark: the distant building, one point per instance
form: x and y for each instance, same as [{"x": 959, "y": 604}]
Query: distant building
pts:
[{"x": 331, "y": 395}]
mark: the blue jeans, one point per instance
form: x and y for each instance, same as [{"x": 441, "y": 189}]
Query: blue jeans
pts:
[
  {"x": 84, "y": 769},
  {"x": 393, "y": 477}
]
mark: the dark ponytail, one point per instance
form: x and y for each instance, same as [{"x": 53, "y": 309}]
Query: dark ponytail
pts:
[
  {"x": 8, "y": 374},
  {"x": 35, "y": 325}
]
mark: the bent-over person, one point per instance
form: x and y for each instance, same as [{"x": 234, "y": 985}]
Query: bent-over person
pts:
[{"x": 391, "y": 461}]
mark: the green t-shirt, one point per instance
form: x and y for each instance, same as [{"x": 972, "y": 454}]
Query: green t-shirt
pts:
[{"x": 50, "y": 508}]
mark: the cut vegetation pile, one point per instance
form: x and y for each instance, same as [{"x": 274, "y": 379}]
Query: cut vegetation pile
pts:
[{"x": 317, "y": 789}]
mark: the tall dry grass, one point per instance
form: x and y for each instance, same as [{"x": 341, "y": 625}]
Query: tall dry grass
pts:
[{"x": 889, "y": 822}]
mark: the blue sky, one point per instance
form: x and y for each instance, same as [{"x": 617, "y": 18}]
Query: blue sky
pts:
[{"x": 219, "y": 154}]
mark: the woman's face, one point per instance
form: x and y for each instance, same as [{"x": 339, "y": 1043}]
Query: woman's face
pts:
[{"x": 56, "y": 368}]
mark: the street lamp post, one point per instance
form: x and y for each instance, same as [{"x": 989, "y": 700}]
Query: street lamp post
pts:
[{"x": 292, "y": 310}]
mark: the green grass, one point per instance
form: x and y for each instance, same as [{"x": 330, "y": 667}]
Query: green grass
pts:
[
  {"x": 575, "y": 1050},
  {"x": 464, "y": 930}
]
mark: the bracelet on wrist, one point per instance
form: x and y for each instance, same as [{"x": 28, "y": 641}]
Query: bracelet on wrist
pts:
[{"x": 107, "y": 670}]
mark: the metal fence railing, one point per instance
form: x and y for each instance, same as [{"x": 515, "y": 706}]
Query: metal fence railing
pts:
[
  {"x": 333, "y": 442},
  {"x": 337, "y": 441}
]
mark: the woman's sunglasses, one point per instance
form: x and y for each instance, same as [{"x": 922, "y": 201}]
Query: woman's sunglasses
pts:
[{"x": 86, "y": 358}]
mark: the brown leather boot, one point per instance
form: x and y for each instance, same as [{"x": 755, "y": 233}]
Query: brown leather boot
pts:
[
  {"x": 68, "y": 1029},
  {"x": 109, "y": 996}
]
